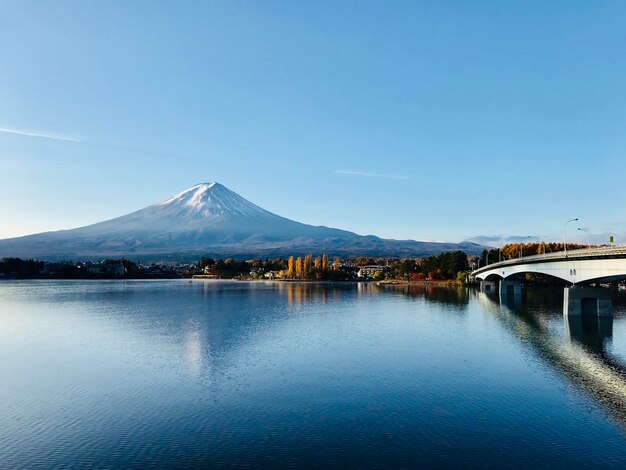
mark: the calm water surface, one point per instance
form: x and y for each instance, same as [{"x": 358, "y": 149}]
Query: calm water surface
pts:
[{"x": 220, "y": 374}]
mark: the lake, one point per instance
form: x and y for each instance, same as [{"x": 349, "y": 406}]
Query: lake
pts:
[{"x": 233, "y": 374}]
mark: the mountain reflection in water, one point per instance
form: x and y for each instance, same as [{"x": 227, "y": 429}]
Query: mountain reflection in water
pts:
[{"x": 204, "y": 374}]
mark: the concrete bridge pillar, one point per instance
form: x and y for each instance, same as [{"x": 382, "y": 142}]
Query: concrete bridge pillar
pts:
[
  {"x": 510, "y": 289},
  {"x": 579, "y": 301},
  {"x": 487, "y": 286}
]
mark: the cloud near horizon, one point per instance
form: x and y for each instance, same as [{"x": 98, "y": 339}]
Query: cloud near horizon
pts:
[
  {"x": 582, "y": 237},
  {"x": 499, "y": 240},
  {"x": 371, "y": 175},
  {"x": 40, "y": 135}
]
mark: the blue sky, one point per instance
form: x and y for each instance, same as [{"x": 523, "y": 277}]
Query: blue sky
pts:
[{"x": 422, "y": 120}]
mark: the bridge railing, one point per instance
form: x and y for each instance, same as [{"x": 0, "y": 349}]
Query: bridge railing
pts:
[{"x": 580, "y": 253}]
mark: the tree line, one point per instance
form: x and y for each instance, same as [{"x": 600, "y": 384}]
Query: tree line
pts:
[
  {"x": 450, "y": 265},
  {"x": 20, "y": 268},
  {"x": 517, "y": 250},
  {"x": 17, "y": 268},
  {"x": 309, "y": 268},
  {"x": 444, "y": 266},
  {"x": 300, "y": 268}
]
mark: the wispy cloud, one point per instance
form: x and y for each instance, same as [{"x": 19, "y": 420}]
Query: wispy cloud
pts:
[
  {"x": 40, "y": 135},
  {"x": 371, "y": 175},
  {"x": 500, "y": 240}
]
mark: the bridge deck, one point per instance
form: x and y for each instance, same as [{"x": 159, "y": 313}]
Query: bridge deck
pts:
[{"x": 585, "y": 253}]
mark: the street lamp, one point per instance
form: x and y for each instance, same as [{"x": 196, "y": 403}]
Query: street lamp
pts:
[
  {"x": 521, "y": 248},
  {"x": 565, "y": 234},
  {"x": 588, "y": 236}
]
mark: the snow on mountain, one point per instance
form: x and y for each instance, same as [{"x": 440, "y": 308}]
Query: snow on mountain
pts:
[
  {"x": 211, "y": 200},
  {"x": 208, "y": 219}
]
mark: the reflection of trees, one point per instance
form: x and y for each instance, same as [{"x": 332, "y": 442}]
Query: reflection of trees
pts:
[
  {"x": 581, "y": 357},
  {"x": 300, "y": 293},
  {"x": 450, "y": 295}
]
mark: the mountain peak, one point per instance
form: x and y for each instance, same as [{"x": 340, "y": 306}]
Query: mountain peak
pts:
[
  {"x": 195, "y": 193},
  {"x": 206, "y": 185},
  {"x": 211, "y": 200}
]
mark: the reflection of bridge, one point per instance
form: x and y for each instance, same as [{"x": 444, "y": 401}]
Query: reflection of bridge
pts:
[
  {"x": 576, "y": 267},
  {"x": 582, "y": 358}
]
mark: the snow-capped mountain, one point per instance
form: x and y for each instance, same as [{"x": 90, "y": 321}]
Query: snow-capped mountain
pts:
[{"x": 209, "y": 220}]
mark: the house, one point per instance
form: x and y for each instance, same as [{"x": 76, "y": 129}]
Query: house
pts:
[
  {"x": 271, "y": 275},
  {"x": 368, "y": 272}
]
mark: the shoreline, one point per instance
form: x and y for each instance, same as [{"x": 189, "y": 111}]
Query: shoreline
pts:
[{"x": 438, "y": 283}]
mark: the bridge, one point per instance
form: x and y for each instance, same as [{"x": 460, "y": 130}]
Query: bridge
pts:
[{"x": 577, "y": 267}]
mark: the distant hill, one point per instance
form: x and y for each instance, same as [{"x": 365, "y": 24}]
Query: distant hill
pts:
[{"x": 210, "y": 220}]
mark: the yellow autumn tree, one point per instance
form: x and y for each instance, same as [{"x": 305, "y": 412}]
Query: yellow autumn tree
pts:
[
  {"x": 299, "y": 268},
  {"x": 308, "y": 265},
  {"x": 324, "y": 262},
  {"x": 336, "y": 263},
  {"x": 290, "y": 268}
]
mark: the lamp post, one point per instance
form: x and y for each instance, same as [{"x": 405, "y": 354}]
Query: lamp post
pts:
[
  {"x": 565, "y": 234},
  {"x": 521, "y": 248},
  {"x": 588, "y": 236}
]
